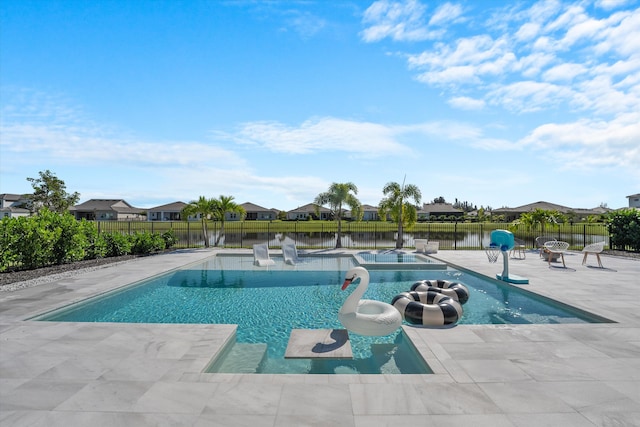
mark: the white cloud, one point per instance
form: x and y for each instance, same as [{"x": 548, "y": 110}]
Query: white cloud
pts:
[
  {"x": 446, "y": 13},
  {"x": 527, "y": 31},
  {"x": 622, "y": 35},
  {"x": 466, "y": 103},
  {"x": 400, "y": 21},
  {"x": 611, "y": 4},
  {"x": 564, "y": 72},
  {"x": 588, "y": 143},
  {"x": 323, "y": 134},
  {"x": 529, "y": 96}
]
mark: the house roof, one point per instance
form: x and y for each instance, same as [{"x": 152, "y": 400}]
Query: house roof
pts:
[
  {"x": 552, "y": 207},
  {"x": 117, "y": 205},
  {"x": 10, "y": 197},
  {"x": 369, "y": 208},
  {"x": 15, "y": 210},
  {"x": 252, "y": 207},
  {"x": 310, "y": 208},
  {"x": 533, "y": 206},
  {"x": 439, "y": 208},
  {"x": 175, "y": 206},
  {"x": 633, "y": 195}
]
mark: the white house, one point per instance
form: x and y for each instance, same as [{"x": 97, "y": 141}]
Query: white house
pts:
[
  {"x": 11, "y": 206},
  {"x": 634, "y": 200}
]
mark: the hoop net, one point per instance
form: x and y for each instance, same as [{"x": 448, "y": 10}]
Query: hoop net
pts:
[{"x": 492, "y": 253}]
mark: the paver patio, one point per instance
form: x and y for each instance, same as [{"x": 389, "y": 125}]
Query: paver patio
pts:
[{"x": 105, "y": 374}]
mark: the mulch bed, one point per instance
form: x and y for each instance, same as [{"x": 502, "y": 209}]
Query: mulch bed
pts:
[{"x": 22, "y": 275}]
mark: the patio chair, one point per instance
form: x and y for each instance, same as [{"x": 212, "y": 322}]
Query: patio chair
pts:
[
  {"x": 519, "y": 249},
  {"x": 593, "y": 248},
  {"x": 421, "y": 245},
  {"x": 554, "y": 248},
  {"x": 289, "y": 252},
  {"x": 540, "y": 241},
  {"x": 261, "y": 255}
]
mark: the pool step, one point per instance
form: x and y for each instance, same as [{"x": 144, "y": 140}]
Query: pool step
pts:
[{"x": 244, "y": 358}]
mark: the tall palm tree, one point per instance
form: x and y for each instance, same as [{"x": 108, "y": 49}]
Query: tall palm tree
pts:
[
  {"x": 336, "y": 197},
  {"x": 203, "y": 207},
  {"x": 220, "y": 207},
  {"x": 396, "y": 204}
]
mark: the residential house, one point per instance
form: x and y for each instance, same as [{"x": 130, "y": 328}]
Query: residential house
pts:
[
  {"x": 436, "y": 211},
  {"x": 13, "y": 205},
  {"x": 579, "y": 214},
  {"x": 634, "y": 200},
  {"x": 305, "y": 212},
  {"x": 107, "y": 210},
  {"x": 370, "y": 213},
  {"x": 253, "y": 213},
  {"x": 168, "y": 212}
]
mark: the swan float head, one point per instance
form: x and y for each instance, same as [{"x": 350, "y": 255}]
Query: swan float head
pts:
[{"x": 366, "y": 317}]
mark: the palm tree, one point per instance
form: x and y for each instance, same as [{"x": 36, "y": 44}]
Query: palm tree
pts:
[
  {"x": 539, "y": 217},
  {"x": 336, "y": 197},
  {"x": 202, "y": 207},
  {"x": 396, "y": 204},
  {"x": 220, "y": 207}
]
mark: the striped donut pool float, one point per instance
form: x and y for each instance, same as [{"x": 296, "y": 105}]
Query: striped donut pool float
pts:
[
  {"x": 455, "y": 290},
  {"x": 432, "y": 302}
]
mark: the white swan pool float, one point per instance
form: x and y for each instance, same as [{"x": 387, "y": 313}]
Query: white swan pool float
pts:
[{"x": 363, "y": 316}]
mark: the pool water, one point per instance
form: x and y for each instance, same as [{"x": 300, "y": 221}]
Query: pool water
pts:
[{"x": 267, "y": 303}]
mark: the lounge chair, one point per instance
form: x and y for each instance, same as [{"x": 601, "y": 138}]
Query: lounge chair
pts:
[
  {"x": 554, "y": 248},
  {"x": 540, "y": 241},
  {"x": 421, "y": 245},
  {"x": 289, "y": 253},
  {"x": 519, "y": 249},
  {"x": 427, "y": 247},
  {"x": 261, "y": 255},
  {"x": 593, "y": 248}
]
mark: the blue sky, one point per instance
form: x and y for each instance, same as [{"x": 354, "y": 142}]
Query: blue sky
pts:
[{"x": 497, "y": 103}]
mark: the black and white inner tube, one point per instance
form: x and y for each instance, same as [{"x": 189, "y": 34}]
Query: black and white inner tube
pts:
[
  {"x": 455, "y": 290},
  {"x": 427, "y": 308}
]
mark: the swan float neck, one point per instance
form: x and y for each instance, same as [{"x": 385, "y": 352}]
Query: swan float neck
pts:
[{"x": 366, "y": 317}]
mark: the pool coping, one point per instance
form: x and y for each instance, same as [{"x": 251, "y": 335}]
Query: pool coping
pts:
[{"x": 561, "y": 368}]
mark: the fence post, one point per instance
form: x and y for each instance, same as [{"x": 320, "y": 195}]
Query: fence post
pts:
[
  {"x": 481, "y": 235},
  {"x": 188, "y": 234},
  {"x": 455, "y": 235}
]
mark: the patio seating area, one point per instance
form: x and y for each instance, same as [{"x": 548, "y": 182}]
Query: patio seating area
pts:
[{"x": 55, "y": 373}]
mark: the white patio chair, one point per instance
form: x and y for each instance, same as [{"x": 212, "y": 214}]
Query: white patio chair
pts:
[
  {"x": 289, "y": 252},
  {"x": 555, "y": 248},
  {"x": 421, "y": 245},
  {"x": 593, "y": 248},
  {"x": 540, "y": 241},
  {"x": 261, "y": 255}
]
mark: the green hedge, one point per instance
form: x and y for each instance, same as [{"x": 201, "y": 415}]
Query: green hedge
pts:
[
  {"x": 50, "y": 238},
  {"x": 624, "y": 229}
]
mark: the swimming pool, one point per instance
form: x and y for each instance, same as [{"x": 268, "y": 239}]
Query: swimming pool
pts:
[{"x": 267, "y": 303}]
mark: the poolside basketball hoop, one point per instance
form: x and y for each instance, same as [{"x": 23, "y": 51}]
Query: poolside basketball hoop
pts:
[
  {"x": 492, "y": 253},
  {"x": 502, "y": 241}
]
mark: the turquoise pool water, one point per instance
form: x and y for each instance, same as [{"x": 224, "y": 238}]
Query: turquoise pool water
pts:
[{"x": 268, "y": 302}]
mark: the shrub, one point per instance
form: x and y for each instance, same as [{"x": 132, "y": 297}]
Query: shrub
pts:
[
  {"x": 68, "y": 240},
  {"x": 96, "y": 245},
  {"x": 624, "y": 229},
  {"x": 145, "y": 243},
  {"x": 117, "y": 244},
  {"x": 169, "y": 238},
  {"x": 8, "y": 240}
]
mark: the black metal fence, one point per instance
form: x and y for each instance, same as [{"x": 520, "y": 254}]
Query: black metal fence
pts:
[{"x": 355, "y": 235}]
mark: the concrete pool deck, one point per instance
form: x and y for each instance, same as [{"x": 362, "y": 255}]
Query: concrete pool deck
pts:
[{"x": 105, "y": 374}]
